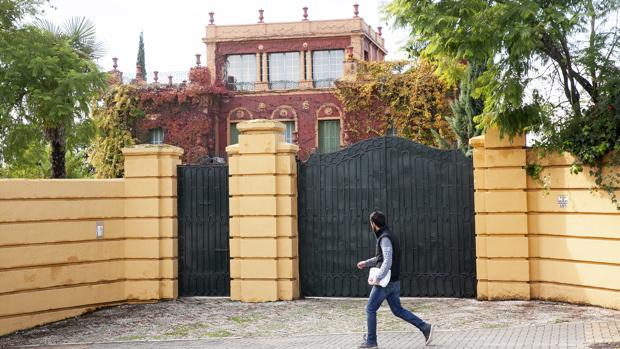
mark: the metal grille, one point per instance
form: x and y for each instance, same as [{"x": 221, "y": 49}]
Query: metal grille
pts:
[
  {"x": 427, "y": 195},
  {"x": 203, "y": 230}
]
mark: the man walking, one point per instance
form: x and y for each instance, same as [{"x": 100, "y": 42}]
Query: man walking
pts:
[{"x": 387, "y": 258}]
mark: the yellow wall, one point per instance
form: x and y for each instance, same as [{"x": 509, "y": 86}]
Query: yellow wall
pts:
[
  {"x": 263, "y": 209},
  {"x": 52, "y": 266},
  {"x": 528, "y": 246}
]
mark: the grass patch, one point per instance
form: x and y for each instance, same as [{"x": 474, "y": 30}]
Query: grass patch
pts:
[
  {"x": 184, "y": 330},
  {"x": 559, "y": 321},
  {"x": 131, "y": 338},
  {"x": 243, "y": 319},
  {"x": 494, "y": 325},
  {"x": 218, "y": 334}
]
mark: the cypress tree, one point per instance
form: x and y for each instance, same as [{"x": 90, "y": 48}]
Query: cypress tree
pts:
[
  {"x": 465, "y": 108},
  {"x": 140, "y": 60}
]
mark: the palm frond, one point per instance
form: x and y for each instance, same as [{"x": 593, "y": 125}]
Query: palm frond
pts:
[
  {"x": 80, "y": 31},
  {"x": 48, "y": 26}
]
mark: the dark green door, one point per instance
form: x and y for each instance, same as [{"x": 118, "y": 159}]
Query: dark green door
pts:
[
  {"x": 203, "y": 230},
  {"x": 427, "y": 195}
]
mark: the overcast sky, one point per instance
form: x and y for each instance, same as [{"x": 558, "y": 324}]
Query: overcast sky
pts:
[{"x": 173, "y": 30}]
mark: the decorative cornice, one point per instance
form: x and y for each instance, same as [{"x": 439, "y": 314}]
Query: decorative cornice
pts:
[{"x": 303, "y": 29}]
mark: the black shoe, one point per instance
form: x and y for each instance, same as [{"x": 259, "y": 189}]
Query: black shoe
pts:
[
  {"x": 367, "y": 345},
  {"x": 428, "y": 334}
]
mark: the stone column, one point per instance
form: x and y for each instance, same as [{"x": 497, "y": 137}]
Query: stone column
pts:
[
  {"x": 309, "y": 65},
  {"x": 502, "y": 251},
  {"x": 210, "y": 59},
  {"x": 151, "y": 221},
  {"x": 302, "y": 75},
  {"x": 258, "y": 75},
  {"x": 306, "y": 79},
  {"x": 264, "y": 84},
  {"x": 263, "y": 210}
]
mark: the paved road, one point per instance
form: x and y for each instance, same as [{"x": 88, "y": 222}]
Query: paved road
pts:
[{"x": 599, "y": 335}]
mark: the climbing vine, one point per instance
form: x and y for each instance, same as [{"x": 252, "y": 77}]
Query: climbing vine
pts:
[
  {"x": 113, "y": 117},
  {"x": 402, "y": 95},
  {"x": 126, "y": 113}
]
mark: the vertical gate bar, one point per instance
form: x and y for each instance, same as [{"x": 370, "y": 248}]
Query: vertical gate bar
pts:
[{"x": 180, "y": 237}]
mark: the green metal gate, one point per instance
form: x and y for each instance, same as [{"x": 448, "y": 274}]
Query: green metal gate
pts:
[
  {"x": 427, "y": 195},
  {"x": 203, "y": 230}
]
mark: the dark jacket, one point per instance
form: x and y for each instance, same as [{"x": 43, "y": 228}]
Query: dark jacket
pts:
[{"x": 385, "y": 233}]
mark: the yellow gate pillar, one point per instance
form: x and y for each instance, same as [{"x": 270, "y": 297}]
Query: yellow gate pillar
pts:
[
  {"x": 263, "y": 214},
  {"x": 500, "y": 184},
  {"x": 151, "y": 221}
]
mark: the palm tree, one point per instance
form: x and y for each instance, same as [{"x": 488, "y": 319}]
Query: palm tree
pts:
[{"x": 80, "y": 33}]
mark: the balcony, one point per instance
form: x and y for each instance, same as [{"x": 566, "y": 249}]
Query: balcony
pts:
[
  {"x": 283, "y": 85},
  {"x": 324, "y": 83},
  {"x": 241, "y": 86}
]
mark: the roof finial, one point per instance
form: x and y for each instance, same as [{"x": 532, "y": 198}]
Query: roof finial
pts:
[
  {"x": 379, "y": 30},
  {"x": 211, "y": 20},
  {"x": 305, "y": 13},
  {"x": 115, "y": 64},
  {"x": 356, "y": 11},
  {"x": 198, "y": 59},
  {"x": 260, "y": 16}
]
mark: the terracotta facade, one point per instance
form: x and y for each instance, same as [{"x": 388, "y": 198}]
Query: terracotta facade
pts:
[{"x": 304, "y": 104}]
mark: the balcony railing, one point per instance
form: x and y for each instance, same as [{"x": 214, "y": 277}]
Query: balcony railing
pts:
[
  {"x": 241, "y": 86},
  {"x": 283, "y": 85},
  {"x": 324, "y": 83}
]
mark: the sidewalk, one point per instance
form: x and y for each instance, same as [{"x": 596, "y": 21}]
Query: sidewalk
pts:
[
  {"x": 599, "y": 335},
  {"x": 327, "y": 323}
]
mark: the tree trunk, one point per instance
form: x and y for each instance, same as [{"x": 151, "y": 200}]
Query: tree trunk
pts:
[{"x": 56, "y": 137}]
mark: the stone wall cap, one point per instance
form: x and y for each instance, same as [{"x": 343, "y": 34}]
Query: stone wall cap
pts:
[
  {"x": 477, "y": 142},
  {"x": 288, "y": 148},
  {"x": 152, "y": 149},
  {"x": 260, "y": 125},
  {"x": 232, "y": 149}
]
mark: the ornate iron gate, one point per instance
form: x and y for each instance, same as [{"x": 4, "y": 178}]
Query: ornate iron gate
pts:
[
  {"x": 203, "y": 230},
  {"x": 427, "y": 195}
]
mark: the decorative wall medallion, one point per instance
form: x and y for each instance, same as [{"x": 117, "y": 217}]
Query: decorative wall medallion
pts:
[
  {"x": 329, "y": 110},
  {"x": 305, "y": 45},
  {"x": 305, "y": 105},
  {"x": 261, "y": 106},
  {"x": 240, "y": 113},
  {"x": 284, "y": 112},
  {"x": 261, "y": 47}
]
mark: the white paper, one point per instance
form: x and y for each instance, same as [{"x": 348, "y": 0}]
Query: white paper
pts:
[{"x": 372, "y": 274}]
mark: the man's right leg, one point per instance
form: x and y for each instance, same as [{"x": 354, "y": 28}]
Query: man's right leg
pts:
[{"x": 393, "y": 299}]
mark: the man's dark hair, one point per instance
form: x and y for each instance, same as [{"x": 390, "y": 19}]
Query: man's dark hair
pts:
[{"x": 378, "y": 218}]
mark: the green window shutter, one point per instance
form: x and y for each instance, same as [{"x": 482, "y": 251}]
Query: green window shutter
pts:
[
  {"x": 329, "y": 136},
  {"x": 234, "y": 133},
  {"x": 156, "y": 135},
  {"x": 288, "y": 132}
]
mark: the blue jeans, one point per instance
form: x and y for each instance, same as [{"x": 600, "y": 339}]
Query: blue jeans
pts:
[{"x": 392, "y": 293}]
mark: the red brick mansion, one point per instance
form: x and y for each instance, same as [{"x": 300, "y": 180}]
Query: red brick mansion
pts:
[{"x": 285, "y": 72}]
